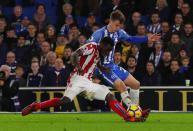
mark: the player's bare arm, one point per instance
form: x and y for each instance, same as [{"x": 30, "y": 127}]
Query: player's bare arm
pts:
[
  {"x": 103, "y": 68},
  {"x": 75, "y": 60}
]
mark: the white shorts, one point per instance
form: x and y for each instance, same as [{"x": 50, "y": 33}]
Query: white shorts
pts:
[{"x": 79, "y": 84}]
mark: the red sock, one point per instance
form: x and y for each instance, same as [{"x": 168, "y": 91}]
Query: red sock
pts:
[
  {"x": 118, "y": 108},
  {"x": 46, "y": 104}
]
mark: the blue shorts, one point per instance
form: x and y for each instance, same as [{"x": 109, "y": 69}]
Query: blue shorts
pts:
[{"x": 116, "y": 73}]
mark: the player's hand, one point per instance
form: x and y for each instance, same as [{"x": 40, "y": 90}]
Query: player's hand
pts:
[{"x": 154, "y": 37}]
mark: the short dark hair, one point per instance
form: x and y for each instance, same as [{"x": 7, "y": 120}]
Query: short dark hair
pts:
[
  {"x": 107, "y": 41},
  {"x": 73, "y": 25},
  {"x": 117, "y": 15},
  {"x": 131, "y": 56},
  {"x": 175, "y": 60},
  {"x": 20, "y": 66},
  {"x": 41, "y": 5},
  {"x": 32, "y": 24}
]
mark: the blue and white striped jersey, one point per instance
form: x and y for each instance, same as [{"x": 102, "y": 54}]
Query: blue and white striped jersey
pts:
[{"x": 120, "y": 35}]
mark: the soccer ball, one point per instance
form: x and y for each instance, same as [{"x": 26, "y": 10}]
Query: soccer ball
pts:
[{"x": 134, "y": 111}]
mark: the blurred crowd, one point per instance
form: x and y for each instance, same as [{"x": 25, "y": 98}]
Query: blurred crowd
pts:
[{"x": 35, "y": 48}]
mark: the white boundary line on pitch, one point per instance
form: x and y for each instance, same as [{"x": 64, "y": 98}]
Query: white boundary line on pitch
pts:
[
  {"x": 90, "y": 112},
  {"x": 144, "y": 87}
]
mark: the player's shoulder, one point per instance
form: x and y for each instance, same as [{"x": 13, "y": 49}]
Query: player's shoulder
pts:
[{"x": 91, "y": 45}]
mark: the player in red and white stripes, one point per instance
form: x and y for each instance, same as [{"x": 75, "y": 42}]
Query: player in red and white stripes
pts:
[{"x": 85, "y": 60}]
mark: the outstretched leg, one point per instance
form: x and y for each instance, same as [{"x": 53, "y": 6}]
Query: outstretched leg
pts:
[
  {"x": 46, "y": 104},
  {"x": 119, "y": 109}
]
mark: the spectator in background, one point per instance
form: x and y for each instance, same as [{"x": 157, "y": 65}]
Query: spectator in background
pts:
[
  {"x": 67, "y": 11},
  {"x": 17, "y": 15},
  {"x": 50, "y": 58},
  {"x": 132, "y": 68},
  {"x": 131, "y": 28},
  {"x": 11, "y": 62},
  {"x": 155, "y": 27},
  {"x": 185, "y": 64},
  {"x": 10, "y": 38},
  {"x": 187, "y": 37},
  {"x": 3, "y": 50},
  {"x": 124, "y": 48},
  {"x": 162, "y": 9},
  {"x": 45, "y": 49},
  {"x": 57, "y": 75},
  {"x": 187, "y": 13},
  {"x": 3, "y": 25},
  {"x": 95, "y": 27},
  {"x": 114, "y": 5},
  {"x": 178, "y": 25},
  {"x": 117, "y": 59},
  {"x": 35, "y": 45},
  {"x": 40, "y": 19},
  {"x": 22, "y": 28},
  {"x": 174, "y": 77},
  {"x": 31, "y": 33},
  {"x": 73, "y": 35},
  {"x": 157, "y": 53},
  {"x": 35, "y": 78},
  {"x": 87, "y": 28},
  {"x": 61, "y": 43},
  {"x": 40, "y": 38},
  {"x": 19, "y": 73},
  {"x": 81, "y": 41},
  {"x": 165, "y": 33},
  {"x": 141, "y": 30},
  {"x": 151, "y": 76},
  {"x": 175, "y": 44},
  {"x": 134, "y": 51},
  {"x": 65, "y": 29},
  {"x": 66, "y": 58},
  {"x": 182, "y": 53},
  {"x": 50, "y": 35},
  {"x": 164, "y": 65},
  {"x": 21, "y": 51},
  {"x": 9, "y": 90}
]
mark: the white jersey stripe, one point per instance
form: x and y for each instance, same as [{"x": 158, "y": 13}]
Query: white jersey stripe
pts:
[{"x": 87, "y": 60}]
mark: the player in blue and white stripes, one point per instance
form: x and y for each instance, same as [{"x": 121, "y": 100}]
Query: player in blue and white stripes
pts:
[{"x": 118, "y": 77}]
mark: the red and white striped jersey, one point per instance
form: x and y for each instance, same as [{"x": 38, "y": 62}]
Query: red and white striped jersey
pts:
[{"x": 88, "y": 61}]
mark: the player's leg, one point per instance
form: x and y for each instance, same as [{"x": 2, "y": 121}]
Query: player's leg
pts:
[
  {"x": 134, "y": 88},
  {"x": 69, "y": 95},
  {"x": 114, "y": 81},
  {"x": 103, "y": 93},
  {"x": 134, "y": 92}
]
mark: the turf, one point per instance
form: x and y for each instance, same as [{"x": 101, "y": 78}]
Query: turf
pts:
[{"x": 95, "y": 122}]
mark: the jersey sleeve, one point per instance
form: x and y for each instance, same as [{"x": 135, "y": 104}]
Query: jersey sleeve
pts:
[
  {"x": 87, "y": 49},
  {"x": 123, "y": 36},
  {"x": 95, "y": 37}
]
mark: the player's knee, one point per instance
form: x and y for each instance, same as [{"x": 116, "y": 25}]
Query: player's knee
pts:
[
  {"x": 109, "y": 97},
  {"x": 64, "y": 100},
  {"x": 137, "y": 84}
]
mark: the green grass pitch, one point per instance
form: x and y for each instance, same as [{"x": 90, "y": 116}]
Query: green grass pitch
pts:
[{"x": 95, "y": 122}]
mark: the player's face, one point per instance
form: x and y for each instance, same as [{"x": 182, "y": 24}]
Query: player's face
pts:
[{"x": 115, "y": 25}]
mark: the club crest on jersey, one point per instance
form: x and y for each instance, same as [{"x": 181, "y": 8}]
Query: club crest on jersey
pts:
[{"x": 112, "y": 76}]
